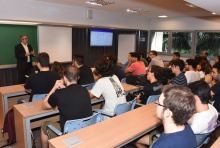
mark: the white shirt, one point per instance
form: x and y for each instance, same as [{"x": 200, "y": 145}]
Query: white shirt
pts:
[
  {"x": 192, "y": 76},
  {"x": 112, "y": 93},
  {"x": 204, "y": 122},
  {"x": 27, "y": 51}
]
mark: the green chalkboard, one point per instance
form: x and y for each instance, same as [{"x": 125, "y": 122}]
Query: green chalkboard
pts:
[{"x": 10, "y": 36}]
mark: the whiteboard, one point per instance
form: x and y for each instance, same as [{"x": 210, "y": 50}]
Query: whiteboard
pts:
[
  {"x": 126, "y": 44},
  {"x": 56, "y": 41}
]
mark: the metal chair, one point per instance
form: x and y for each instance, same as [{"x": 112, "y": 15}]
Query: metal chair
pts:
[
  {"x": 120, "y": 108},
  {"x": 88, "y": 86},
  {"x": 202, "y": 139},
  {"x": 123, "y": 80},
  {"x": 152, "y": 98},
  {"x": 73, "y": 125},
  {"x": 37, "y": 97}
]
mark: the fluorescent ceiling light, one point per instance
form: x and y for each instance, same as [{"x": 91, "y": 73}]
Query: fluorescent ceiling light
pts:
[
  {"x": 162, "y": 16},
  {"x": 94, "y": 3},
  {"x": 213, "y": 13},
  {"x": 18, "y": 22}
]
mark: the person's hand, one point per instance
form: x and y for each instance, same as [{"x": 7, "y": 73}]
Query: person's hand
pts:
[
  {"x": 59, "y": 84},
  {"x": 32, "y": 52},
  {"x": 27, "y": 54}
]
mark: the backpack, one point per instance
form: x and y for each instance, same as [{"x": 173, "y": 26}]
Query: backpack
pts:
[
  {"x": 137, "y": 80},
  {"x": 9, "y": 127}
]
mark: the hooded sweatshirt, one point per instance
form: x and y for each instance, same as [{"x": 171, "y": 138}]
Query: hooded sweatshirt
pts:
[{"x": 156, "y": 61}]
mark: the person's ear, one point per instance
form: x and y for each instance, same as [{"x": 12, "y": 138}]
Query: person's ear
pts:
[{"x": 167, "y": 113}]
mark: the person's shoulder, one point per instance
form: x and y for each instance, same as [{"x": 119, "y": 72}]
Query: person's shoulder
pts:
[{"x": 18, "y": 45}]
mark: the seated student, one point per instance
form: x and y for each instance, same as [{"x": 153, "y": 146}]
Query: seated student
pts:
[
  {"x": 117, "y": 71},
  {"x": 155, "y": 73},
  {"x": 73, "y": 102},
  {"x": 42, "y": 82},
  {"x": 108, "y": 86},
  {"x": 155, "y": 59},
  {"x": 86, "y": 75},
  {"x": 58, "y": 68},
  {"x": 126, "y": 63},
  {"x": 205, "y": 118},
  {"x": 135, "y": 66},
  {"x": 177, "y": 68},
  {"x": 203, "y": 68},
  {"x": 191, "y": 74},
  {"x": 176, "y": 56},
  {"x": 175, "y": 107}
]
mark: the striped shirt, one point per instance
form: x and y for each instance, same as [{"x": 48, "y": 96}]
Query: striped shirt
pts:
[{"x": 180, "y": 80}]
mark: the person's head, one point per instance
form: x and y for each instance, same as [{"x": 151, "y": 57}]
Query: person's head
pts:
[
  {"x": 155, "y": 72},
  {"x": 176, "y": 55},
  {"x": 202, "y": 90},
  {"x": 177, "y": 66},
  {"x": 176, "y": 104},
  {"x": 111, "y": 57},
  {"x": 204, "y": 54},
  {"x": 104, "y": 67},
  {"x": 135, "y": 56},
  {"x": 43, "y": 59},
  {"x": 57, "y": 67},
  {"x": 24, "y": 39},
  {"x": 152, "y": 54},
  {"x": 190, "y": 64},
  {"x": 71, "y": 74},
  {"x": 217, "y": 59},
  {"x": 204, "y": 66},
  {"x": 78, "y": 60},
  {"x": 216, "y": 71}
]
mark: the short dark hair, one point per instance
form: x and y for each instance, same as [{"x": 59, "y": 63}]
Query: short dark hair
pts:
[
  {"x": 57, "y": 67},
  {"x": 79, "y": 59},
  {"x": 177, "y": 54},
  {"x": 179, "y": 63},
  {"x": 180, "y": 101},
  {"x": 192, "y": 62},
  {"x": 217, "y": 66},
  {"x": 202, "y": 90},
  {"x": 158, "y": 72},
  {"x": 71, "y": 73},
  {"x": 104, "y": 67},
  {"x": 136, "y": 55},
  {"x": 153, "y": 52},
  {"x": 111, "y": 57},
  {"x": 44, "y": 59},
  {"x": 21, "y": 36}
]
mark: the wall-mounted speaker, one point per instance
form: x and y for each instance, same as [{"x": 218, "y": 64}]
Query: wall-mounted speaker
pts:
[{"x": 89, "y": 14}]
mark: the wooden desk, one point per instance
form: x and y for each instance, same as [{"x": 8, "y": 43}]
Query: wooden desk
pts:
[
  {"x": 5, "y": 93},
  {"x": 216, "y": 144},
  {"x": 131, "y": 88},
  {"x": 114, "y": 132}
]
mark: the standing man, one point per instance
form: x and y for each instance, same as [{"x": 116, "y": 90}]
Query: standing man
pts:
[{"x": 23, "y": 54}]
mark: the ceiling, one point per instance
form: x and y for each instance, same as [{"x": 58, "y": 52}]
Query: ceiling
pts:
[{"x": 153, "y": 8}]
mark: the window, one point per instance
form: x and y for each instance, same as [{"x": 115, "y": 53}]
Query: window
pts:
[
  {"x": 208, "y": 41},
  {"x": 181, "y": 42},
  {"x": 159, "y": 41}
]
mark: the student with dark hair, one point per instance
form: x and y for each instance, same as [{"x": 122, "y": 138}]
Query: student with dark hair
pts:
[
  {"x": 205, "y": 118},
  {"x": 154, "y": 75},
  {"x": 176, "y": 56},
  {"x": 191, "y": 74},
  {"x": 42, "y": 82},
  {"x": 177, "y": 68},
  {"x": 135, "y": 66},
  {"x": 108, "y": 86},
  {"x": 73, "y": 102},
  {"x": 143, "y": 59},
  {"x": 155, "y": 59},
  {"x": 58, "y": 68},
  {"x": 215, "y": 76},
  {"x": 175, "y": 107},
  {"x": 86, "y": 76},
  {"x": 117, "y": 71}
]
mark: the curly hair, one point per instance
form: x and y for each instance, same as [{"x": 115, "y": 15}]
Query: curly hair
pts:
[
  {"x": 57, "y": 67},
  {"x": 104, "y": 67}
]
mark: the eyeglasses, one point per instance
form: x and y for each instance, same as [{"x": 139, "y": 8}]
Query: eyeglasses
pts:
[
  {"x": 149, "y": 70},
  {"x": 24, "y": 39},
  {"x": 157, "y": 102}
]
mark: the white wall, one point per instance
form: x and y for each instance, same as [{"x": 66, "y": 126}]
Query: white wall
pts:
[
  {"x": 30, "y": 10},
  {"x": 185, "y": 23}
]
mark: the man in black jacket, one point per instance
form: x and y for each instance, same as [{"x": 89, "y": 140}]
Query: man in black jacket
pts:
[{"x": 23, "y": 54}]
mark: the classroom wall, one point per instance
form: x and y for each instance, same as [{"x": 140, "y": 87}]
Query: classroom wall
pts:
[
  {"x": 185, "y": 23},
  {"x": 30, "y": 10}
]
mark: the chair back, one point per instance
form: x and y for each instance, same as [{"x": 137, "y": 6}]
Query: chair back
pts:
[
  {"x": 123, "y": 80},
  {"x": 89, "y": 86},
  {"x": 202, "y": 139},
  {"x": 124, "y": 107},
  {"x": 73, "y": 125},
  {"x": 37, "y": 97},
  {"x": 152, "y": 98}
]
